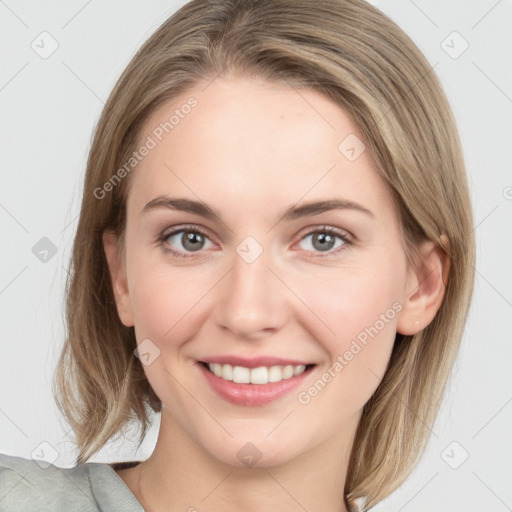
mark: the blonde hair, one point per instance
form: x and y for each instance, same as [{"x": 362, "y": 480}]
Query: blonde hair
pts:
[{"x": 355, "y": 55}]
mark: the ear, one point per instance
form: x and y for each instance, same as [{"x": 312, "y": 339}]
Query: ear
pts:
[
  {"x": 425, "y": 288},
  {"x": 117, "y": 270}
]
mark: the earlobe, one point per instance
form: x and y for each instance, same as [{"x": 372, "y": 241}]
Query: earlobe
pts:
[
  {"x": 425, "y": 288},
  {"x": 118, "y": 278}
]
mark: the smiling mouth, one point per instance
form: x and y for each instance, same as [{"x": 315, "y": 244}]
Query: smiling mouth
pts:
[{"x": 259, "y": 375}]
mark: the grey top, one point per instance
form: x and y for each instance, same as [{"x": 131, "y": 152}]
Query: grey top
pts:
[{"x": 29, "y": 485}]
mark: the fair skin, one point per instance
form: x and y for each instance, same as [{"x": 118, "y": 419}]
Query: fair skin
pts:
[{"x": 250, "y": 150}]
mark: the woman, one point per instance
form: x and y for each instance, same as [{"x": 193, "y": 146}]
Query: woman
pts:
[{"x": 275, "y": 251}]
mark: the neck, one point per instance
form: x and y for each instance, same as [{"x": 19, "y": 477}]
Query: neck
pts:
[{"x": 181, "y": 476}]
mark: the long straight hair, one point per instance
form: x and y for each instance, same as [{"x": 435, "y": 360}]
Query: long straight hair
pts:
[{"x": 354, "y": 54}]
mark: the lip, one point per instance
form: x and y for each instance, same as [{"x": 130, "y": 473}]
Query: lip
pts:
[
  {"x": 254, "y": 362},
  {"x": 251, "y": 395}
]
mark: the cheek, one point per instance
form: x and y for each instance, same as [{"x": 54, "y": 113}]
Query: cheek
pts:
[
  {"x": 164, "y": 301},
  {"x": 347, "y": 302},
  {"x": 359, "y": 312}
]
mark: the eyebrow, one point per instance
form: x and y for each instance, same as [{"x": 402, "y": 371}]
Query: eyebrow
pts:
[{"x": 291, "y": 213}]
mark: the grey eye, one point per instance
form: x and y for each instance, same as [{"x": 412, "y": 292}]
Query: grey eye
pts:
[
  {"x": 323, "y": 241},
  {"x": 191, "y": 241}
]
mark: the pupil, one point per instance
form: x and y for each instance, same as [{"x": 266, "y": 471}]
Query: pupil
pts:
[
  {"x": 326, "y": 241},
  {"x": 192, "y": 241}
]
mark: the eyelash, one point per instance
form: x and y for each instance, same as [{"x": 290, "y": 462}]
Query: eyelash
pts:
[{"x": 195, "y": 229}]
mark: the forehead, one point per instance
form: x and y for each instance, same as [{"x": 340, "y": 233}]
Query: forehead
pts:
[{"x": 266, "y": 143}]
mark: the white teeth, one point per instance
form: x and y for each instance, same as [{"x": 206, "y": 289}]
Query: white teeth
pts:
[
  {"x": 241, "y": 375},
  {"x": 217, "y": 369},
  {"x": 227, "y": 372},
  {"x": 260, "y": 375},
  {"x": 287, "y": 372},
  {"x": 275, "y": 374},
  {"x": 297, "y": 370}
]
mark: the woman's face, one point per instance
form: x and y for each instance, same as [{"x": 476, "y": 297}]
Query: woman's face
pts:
[{"x": 301, "y": 264}]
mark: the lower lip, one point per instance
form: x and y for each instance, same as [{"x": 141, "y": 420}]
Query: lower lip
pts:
[{"x": 252, "y": 395}]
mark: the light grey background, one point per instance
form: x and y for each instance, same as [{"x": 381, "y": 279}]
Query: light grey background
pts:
[{"x": 49, "y": 108}]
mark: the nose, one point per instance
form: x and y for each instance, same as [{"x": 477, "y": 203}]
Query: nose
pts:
[{"x": 252, "y": 302}]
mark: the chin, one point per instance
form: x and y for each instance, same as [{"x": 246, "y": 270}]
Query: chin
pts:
[{"x": 246, "y": 451}]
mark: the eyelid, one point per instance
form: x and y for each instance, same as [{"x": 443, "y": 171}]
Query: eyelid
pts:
[
  {"x": 186, "y": 227},
  {"x": 343, "y": 233}
]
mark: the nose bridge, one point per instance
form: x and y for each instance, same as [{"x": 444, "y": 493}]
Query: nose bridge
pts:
[{"x": 252, "y": 297}]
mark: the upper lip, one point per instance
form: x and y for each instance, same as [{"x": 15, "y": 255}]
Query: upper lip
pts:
[{"x": 253, "y": 362}]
